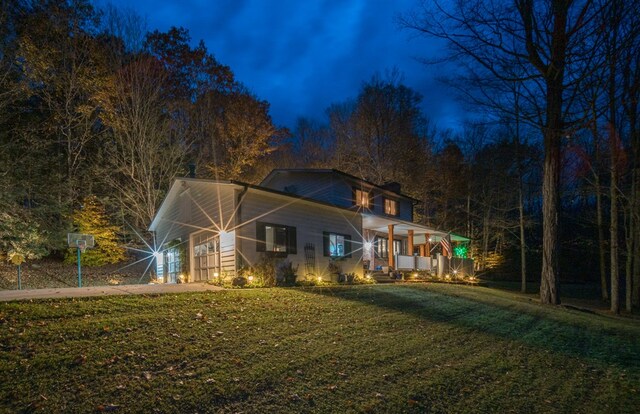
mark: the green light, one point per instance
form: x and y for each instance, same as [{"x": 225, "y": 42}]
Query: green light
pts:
[{"x": 461, "y": 251}]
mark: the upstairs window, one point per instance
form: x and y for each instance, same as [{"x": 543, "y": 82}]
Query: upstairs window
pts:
[
  {"x": 336, "y": 245},
  {"x": 362, "y": 198},
  {"x": 390, "y": 207},
  {"x": 276, "y": 239}
]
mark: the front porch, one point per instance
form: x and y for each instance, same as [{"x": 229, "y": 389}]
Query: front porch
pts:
[{"x": 395, "y": 245}]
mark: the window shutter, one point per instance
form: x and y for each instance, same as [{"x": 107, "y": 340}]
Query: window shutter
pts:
[
  {"x": 326, "y": 244},
  {"x": 347, "y": 246},
  {"x": 353, "y": 196},
  {"x": 260, "y": 237},
  {"x": 292, "y": 241}
]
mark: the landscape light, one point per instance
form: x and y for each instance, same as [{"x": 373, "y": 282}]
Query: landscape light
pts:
[
  {"x": 250, "y": 278},
  {"x": 216, "y": 274},
  {"x": 368, "y": 276}
]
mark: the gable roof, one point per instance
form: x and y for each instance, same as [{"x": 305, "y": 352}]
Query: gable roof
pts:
[
  {"x": 335, "y": 172},
  {"x": 179, "y": 185}
]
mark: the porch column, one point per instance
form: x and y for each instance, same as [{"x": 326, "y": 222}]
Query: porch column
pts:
[
  {"x": 390, "y": 247},
  {"x": 427, "y": 245},
  {"x": 422, "y": 250},
  {"x": 410, "y": 243}
]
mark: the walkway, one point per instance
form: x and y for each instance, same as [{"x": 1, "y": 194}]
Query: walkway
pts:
[{"x": 7, "y": 295}]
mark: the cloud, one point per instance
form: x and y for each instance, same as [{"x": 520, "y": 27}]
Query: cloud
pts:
[{"x": 302, "y": 56}]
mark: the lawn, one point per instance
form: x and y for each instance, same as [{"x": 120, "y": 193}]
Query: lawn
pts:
[{"x": 395, "y": 348}]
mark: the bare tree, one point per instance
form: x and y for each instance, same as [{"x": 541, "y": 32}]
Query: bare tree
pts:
[
  {"x": 543, "y": 47},
  {"x": 145, "y": 155}
]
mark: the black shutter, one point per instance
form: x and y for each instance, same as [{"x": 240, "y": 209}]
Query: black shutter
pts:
[
  {"x": 326, "y": 244},
  {"x": 347, "y": 246},
  {"x": 398, "y": 208},
  {"x": 353, "y": 196},
  {"x": 292, "y": 241},
  {"x": 260, "y": 237}
]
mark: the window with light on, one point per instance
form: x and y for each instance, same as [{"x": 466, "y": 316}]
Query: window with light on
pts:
[
  {"x": 390, "y": 207},
  {"x": 337, "y": 245},
  {"x": 362, "y": 198}
]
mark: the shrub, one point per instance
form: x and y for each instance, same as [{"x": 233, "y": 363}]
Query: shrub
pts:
[
  {"x": 263, "y": 271},
  {"x": 286, "y": 274},
  {"x": 239, "y": 281}
]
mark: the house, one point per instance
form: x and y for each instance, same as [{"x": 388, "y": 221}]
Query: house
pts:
[{"x": 323, "y": 221}]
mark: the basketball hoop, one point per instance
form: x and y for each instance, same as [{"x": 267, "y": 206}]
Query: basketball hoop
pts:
[
  {"x": 81, "y": 242},
  {"x": 82, "y": 245}
]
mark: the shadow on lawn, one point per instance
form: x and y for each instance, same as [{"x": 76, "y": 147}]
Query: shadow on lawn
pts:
[{"x": 510, "y": 321}]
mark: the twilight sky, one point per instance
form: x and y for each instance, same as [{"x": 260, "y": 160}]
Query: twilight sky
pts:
[{"x": 303, "y": 55}]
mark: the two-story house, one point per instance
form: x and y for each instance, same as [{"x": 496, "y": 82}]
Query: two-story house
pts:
[{"x": 318, "y": 219}]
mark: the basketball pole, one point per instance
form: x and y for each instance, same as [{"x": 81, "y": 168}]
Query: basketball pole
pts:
[{"x": 79, "y": 269}]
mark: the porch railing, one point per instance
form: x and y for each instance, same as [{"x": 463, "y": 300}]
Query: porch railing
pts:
[{"x": 440, "y": 264}]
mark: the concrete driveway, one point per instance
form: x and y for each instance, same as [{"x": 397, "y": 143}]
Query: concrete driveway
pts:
[{"x": 7, "y": 295}]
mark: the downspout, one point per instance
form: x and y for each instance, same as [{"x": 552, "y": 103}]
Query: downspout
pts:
[{"x": 238, "y": 219}]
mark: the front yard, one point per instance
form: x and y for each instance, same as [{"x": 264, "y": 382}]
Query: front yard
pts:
[{"x": 395, "y": 348}]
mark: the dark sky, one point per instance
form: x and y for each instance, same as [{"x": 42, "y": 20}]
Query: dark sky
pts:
[{"x": 303, "y": 55}]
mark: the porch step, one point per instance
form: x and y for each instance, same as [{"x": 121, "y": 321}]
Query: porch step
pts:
[{"x": 381, "y": 277}]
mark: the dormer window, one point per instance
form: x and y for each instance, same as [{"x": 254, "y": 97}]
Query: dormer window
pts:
[
  {"x": 362, "y": 198},
  {"x": 390, "y": 207}
]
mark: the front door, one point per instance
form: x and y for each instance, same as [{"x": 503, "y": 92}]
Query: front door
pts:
[{"x": 206, "y": 255}]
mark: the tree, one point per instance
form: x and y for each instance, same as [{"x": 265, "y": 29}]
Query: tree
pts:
[
  {"x": 144, "y": 156},
  {"x": 541, "y": 46},
  {"x": 20, "y": 237},
  {"x": 92, "y": 219},
  {"x": 64, "y": 70}
]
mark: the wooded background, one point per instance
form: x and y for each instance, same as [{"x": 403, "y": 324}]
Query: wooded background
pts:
[{"x": 545, "y": 182}]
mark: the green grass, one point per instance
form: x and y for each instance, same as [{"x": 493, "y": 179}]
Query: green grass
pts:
[{"x": 397, "y": 348}]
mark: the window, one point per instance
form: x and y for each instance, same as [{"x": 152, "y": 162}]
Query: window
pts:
[
  {"x": 173, "y": 266},
  {"x": 362, "y": 198},
  {"x": 382, "y": 247},
  {"x": 397, "y": 247},
  {"x": 276, "y": 239},
  {"x": 337, "y": 245},
  {"x": 390, "y": 207},
  {"x": 206, "y": 252}
]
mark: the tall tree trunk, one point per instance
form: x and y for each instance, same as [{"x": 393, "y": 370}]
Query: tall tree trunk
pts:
[
  {"x": 601, "y": 241},
  {"x": 550, "y": 205},
  {"x": 615, "y": 291},
  {"x": 553, "y": 131},
  {"x": 613, "y": 149},
  {"x": 630, "y": 230},
  {"x": 523, "y": 244}
]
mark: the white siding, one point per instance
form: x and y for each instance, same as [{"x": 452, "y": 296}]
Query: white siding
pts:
[
  {"x": 200, "y": 205},
  {"x": 310, "y": 221}
]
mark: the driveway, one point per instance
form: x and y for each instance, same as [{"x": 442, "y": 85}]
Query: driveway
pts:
[{"x": 7, "y": 295}]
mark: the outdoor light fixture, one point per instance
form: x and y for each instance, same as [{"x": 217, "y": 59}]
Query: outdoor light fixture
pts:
[
  {"x": 367, "y": 245},
  {"x": 430, "y": 240},
  {"x": 216, "y": 274},
  {"x": 368, "y": 276},
  {"x": 455, "y": 272},
  {"x": 319, "y": 278}
]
